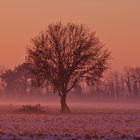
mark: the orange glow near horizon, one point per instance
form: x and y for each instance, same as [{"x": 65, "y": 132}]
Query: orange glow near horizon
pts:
[{"x": 117, "y": 24}]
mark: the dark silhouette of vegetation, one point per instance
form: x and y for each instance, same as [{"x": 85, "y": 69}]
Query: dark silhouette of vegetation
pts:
[
  {"x": 65, "y": 54},
  {"x": 37, "y": 109},
  {"x": 16, "y": 80},
  {"x": 119, "y": 85},
  {"x": 132, "y": 76}
]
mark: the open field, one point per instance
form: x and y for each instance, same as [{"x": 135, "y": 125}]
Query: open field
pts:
[{"x": 81, "y": 124}]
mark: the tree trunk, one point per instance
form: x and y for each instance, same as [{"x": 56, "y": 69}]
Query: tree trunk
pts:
[
  {"x": 135, "y": 89},
  {"x": 129, "y": 86},
  {"x": 64, "y": 106}
]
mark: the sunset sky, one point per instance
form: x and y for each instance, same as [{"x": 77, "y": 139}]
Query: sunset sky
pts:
[{"x": 117, "y": 23}]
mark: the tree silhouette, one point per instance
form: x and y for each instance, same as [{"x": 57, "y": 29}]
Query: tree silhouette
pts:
[
  {"x": 9, "y": 77},
  {"x": 65, "y": 54},
  {"x": 132, "y": 77},
  {"x": 16, "y": 80}
]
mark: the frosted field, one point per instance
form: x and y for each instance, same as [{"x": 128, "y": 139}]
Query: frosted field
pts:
[{"x": 92, "y": 125}]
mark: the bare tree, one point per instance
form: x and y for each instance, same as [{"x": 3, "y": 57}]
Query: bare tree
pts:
[
  {"x": 122, "y": 82},
  {"x": 128, "y": 81},
  {"x": 133, "y": 80},
  {"x": 115, "y": 82},
  {"x": 65, "y": 54}
]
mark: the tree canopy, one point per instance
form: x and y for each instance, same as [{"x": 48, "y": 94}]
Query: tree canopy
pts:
[{"x": 62, "y": 55}]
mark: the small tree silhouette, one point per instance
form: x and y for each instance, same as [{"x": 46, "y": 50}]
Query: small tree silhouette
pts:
[
  {"x": 64, "y": 54},
  {"x": 16, "y": 80}
]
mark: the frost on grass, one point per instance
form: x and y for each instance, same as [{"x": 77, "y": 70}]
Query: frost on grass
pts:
[{"x": 95, "y": 126}]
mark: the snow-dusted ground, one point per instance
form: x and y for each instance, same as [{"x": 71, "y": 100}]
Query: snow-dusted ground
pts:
[{"x": 99, "y": 125}]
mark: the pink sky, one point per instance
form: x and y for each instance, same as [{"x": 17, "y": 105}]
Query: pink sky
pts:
[{"x": 117, "y": 23}]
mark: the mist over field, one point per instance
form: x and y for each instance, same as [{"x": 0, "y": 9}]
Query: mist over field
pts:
[
  {"x": 74, "y": 101},
  {"x": 90, "y": 119}
]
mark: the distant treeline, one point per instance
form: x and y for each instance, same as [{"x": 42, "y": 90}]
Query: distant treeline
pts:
[{"x": 117, "y": 85}]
